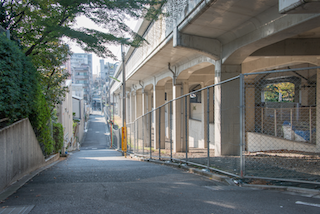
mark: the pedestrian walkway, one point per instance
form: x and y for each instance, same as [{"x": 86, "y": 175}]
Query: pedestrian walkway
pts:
[{"x": 100, "y": 180}]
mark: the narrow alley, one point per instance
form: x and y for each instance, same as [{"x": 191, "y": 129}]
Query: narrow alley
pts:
[{"x": 97, "y": 179}]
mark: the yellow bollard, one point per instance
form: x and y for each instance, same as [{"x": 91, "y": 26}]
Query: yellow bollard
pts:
[{"x": 124, "y": 140}]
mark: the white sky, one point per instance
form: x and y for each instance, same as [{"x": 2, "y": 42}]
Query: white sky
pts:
[{"x": 87, "y": 23}]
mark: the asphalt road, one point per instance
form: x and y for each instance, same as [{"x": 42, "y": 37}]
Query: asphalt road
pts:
[{"x": 100, "y": 180}]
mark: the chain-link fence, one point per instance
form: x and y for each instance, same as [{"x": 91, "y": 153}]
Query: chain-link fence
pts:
[
  {"x": 258, "y": 125},
  {"x": 281, "y": 132}
]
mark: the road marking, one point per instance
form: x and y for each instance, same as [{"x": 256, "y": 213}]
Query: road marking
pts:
[
  {"x": 94, "y": 148},
  {"x": 308, "y": 204},
  {"x": 97, "y": 132}
]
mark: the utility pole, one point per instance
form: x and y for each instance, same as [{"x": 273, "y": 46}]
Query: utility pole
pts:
[
  {"x": 123, "y": 87},
  {"x": 109, "y": 91},
  {"x": 124, "y": 126}
]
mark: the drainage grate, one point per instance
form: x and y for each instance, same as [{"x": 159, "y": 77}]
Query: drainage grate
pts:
[{"x": 16, "y": 209}]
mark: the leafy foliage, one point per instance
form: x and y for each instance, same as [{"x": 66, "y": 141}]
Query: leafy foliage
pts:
[
  {"x": 37, "y": 23},
  {"x": 39, "y": 26},
  {"x": 52, "y": 76},
  {"x": 57, "y": 136},
  {"x": 40, "y": 120},
  {"x": 17, "y": 80},
  {"x": 20, "y": 92},
  {"x": 273, "y": 91}
]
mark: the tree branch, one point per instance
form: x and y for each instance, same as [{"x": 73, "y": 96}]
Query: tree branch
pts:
[
  {"x": 21, "y": 14},
  {"x": 54, "y": 70},
  {"x": 29, "y": 51}
]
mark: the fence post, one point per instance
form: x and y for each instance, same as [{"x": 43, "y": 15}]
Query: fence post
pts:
[
  {"x": 131, "y": 136},
  {"x": 262, "y": 120},
  {"x": 186, "y": 126},
  {"x": 275, "y": 122},
  {"x": 170, "y": 130},
  {"x": 150, "y": 132},
  {"x": 142, "y": 125},
  {"x": 159, "y": 133},
  {"x": 310, "y": 125},
  {"x": 208, "y": 125},
  {"x": 242, "y": 128},
  {"x": 134, "y": 136}
]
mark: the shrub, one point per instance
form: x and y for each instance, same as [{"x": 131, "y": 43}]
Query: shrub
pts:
[
  {"x": 58, "y": 136},
  {"x": 18, "y": 81},
  {"x": 40, "y": 120},
  {"x": 20, "y": 93}
]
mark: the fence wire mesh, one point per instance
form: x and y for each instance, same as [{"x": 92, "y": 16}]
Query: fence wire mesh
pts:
[
  {"x": 254, "y": 125},
  {"x": 282, "y": 138}
]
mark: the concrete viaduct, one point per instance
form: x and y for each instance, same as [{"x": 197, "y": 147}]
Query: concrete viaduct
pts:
[{"x": 204, "y": 42}]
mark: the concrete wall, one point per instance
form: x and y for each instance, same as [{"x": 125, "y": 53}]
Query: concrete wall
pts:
[
  {"x": 79, "y": 107},
  {"x": 261, "y": 142},
  {"x": 196, "y": 111},
  {"x": 76, "y": 107},
  {"x": 65, "y": 117},
  {"x": 196, "y": 138},
  {"x": 20, "y": 152}
]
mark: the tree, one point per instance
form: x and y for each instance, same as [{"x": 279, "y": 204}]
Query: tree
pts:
[
  {"x": 52, "y": 75},
  {"x": 20, "y": 92},
  {"x": 38, "y": 26},
  {"x": 38, "y": 23}
]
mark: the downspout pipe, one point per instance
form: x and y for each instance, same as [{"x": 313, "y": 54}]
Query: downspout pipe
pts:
[
  {"x": 141, "y": 84},
  {"x": 174, "y": 74}
]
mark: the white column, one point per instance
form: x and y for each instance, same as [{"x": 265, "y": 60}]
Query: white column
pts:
[
  {"x": 158, "y": 100},
  {"x": 227, "y": 113},
  {"x": 177, "y": 117},
  {"x": 121, "y": 106},
  {"x": 138, "y": 104},
  {"x": 186, "y": 113},
  {"x": 204, "y": 117},
  {"x": 146, "y": 121},
  {"x": 132, "y": 104}
]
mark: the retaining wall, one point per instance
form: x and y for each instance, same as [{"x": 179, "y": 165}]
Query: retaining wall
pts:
[
  {"x": 260, "y": 142},
  {"x": 20, "y": 152}
]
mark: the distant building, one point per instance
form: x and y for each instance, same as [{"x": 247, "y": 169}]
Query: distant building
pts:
[
  {"x": 67, "y": 66},
  {"x": 107, "y": 69},
  {"x": 78, "y": 90},
  {"x": 81, "y": 68},
  {"x": 95, "y": 76}
]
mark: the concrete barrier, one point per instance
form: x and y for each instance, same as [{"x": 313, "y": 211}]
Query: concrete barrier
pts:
[
  {"x": 261, "y": 142},
  {"x": 20, "y": 152}
]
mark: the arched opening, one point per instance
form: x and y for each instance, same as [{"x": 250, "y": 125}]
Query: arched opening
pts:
[{"x": 282, "y": 105}]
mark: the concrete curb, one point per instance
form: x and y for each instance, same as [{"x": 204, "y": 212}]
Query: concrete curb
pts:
[
  {"x": 283, "y": 188},
  {"x": 228, "y": 180},
  {"x": 210, "y": 175},
  {"x": 19, "y": 183}
]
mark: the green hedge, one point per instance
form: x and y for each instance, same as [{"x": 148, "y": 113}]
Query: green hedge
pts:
[
  {"x": 40, "y": 119},
  {"x": 20, "y": 93},
  {"x": 18, "y": 81}
]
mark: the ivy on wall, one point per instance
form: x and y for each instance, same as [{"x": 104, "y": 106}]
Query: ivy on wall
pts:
[{"x": 57, "y": 136}]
